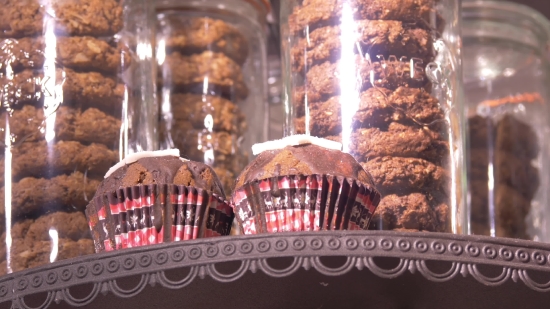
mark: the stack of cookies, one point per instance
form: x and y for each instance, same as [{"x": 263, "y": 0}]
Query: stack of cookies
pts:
[
  {"x": 398, "y": 129},
  {"x": 509, "y": 146},
  {"x": 201, "y": 86},
  {"x": 62, "y": 101}
]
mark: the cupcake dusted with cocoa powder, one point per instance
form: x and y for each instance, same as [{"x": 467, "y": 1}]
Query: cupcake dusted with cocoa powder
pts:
[
  {"x": 303, "y": 183},
  {"x": 156, "y": 197}
]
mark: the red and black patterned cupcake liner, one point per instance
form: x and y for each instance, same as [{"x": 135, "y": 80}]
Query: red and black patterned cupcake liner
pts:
[
  {"x": 152, "y": 214},
  {"x": 304, "y": 203}
]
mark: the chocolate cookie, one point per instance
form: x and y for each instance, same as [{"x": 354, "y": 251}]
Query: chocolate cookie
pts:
[
  {"x": 69, "y": 17},
  {"x": 79, "y": 53},
  {"x": 324, "y": 80},
  {"x": 480, "y": 132},
  {"x": 504, "y": 196},
  {"x": 415, "y": 212},
  {"x": 82, "y": 90},
  {"x": 189, "y": 73},
  {"x": 320, "y": 13},
  {"x": 195, "y": 35},
  {"x": 517, "y": 137},
  {"x": 478, "y": 164},
  {"x": 518, "y": 173},
  {"x": 406, "y": 175},
  {"x": 374, "y": 37},
  {"x": 207, "y": 112},
  {"x": 399, "y": 141},
  {"x": 39, "y": 195},
  {"x": 510, "y": 212},
  {"x": 88, "y": 126},
  {"x": 25, "y": 256},
  {"x": 378, "y": 107},
  {"x": 40, "y": 159}
]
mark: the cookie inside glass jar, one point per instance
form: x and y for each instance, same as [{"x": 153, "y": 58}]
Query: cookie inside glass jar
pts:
[
  {"x": 380, "y": 77},
  {"x": 212, "y": 89},
  {"x": 68, "y": 97}
]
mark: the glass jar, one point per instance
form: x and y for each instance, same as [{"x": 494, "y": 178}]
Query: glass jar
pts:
[
  {"x": 506, "y": 82},
  {"x": 76, "y": 93},
  {"x": 384, "y": 78},
  {"x": 211, "y": 56}
]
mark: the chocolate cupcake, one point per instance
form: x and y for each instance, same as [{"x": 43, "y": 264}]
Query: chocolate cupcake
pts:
[
  {"x": 156, "y": 197},
  {"x": 303, "y": 183}
]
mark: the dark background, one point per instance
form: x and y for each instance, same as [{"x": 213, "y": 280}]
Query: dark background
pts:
[{"x": 542, "y": 6}]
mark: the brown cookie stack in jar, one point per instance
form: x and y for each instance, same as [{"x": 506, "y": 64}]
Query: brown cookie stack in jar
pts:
[
  {"x": 503, "y": 150},
  {"x": 380, "y": 76},
  {"x": 65, "y": 78},
  {"x": 211, "y": 81}
]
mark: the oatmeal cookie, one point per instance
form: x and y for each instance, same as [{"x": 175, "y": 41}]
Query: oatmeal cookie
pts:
[
  {"x": 38, "y": 195},
  {"x": 72, "y": 226},
  {"x": 195, "y": 35},
  {"x": 70, "y": 17},
  {"x": 374, "y": 37},
  {"x": 38, "y": 159},
  {"x": 205, "y": 111},
  {"x": 314, "y": 14},
  {"x": 90, "y": 89},
  {"x": 399, "y": 141},
  {"x": 323, "y": 81},
  {"x": 405, "y": 175},
  {"x": 414, "y": 212},
  {"x": 189, "y": 72},
  {"x": 26, "y": 256},
  {"x": 378, "y": 107},
  {"x": 79, "y": 53},
  {"x": 88, "y": 126}
]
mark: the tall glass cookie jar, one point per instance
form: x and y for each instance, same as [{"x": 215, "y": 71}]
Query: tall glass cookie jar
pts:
[
  {"x": 506, "y": 80},
  {"x": 73, "y": 88},
  {"x": 211, "y": 57},
  {"x": 383, "y": 77}
]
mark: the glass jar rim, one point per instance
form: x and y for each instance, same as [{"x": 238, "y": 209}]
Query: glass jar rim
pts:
[
  {"x": 254, "y": 9},
  {"x": 497, "y": 12}
]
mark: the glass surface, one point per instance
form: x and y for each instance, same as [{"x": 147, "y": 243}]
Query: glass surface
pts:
[
  {"x": 76, "y": 96},
  {"x": 211, "y": 59},
  {"x": 384, "y": 78},
  {"x": 506, "y": 81}
]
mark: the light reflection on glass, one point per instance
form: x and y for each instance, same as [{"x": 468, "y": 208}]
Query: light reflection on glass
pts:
[
  {"x": 161, "y": 52},
  {"x": 7, "y": 191},
  {"x": 349, "y": 98},
  {"x": 209, "y": 122},
  {"x": 55, "y": 245},
  {"x": 53, "y": 93}
]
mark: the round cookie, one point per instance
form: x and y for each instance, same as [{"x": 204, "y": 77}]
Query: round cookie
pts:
[{"x": 195, "y": 35}]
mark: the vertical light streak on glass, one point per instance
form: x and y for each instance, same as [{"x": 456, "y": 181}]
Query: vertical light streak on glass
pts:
[
  {"x": 7, "y": 190},
  {"x": 126, "y": 115},
  {"x": 55, "y": 245},
  {"x": 53, "y": 93},
  {"x": 205, "y": 85},
  {"x": 161, "y": 52},
  {"x": 491, "y": 201},
  {"x": 349, "y": 98},
  {"x": 306, "y": 102},
  {"x": 166, "y": 110}
]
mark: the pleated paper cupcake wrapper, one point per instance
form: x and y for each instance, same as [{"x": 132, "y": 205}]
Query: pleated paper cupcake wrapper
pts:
[
  {"x": 152, "y": 214},
  {"x": 304, "y": 203}
]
